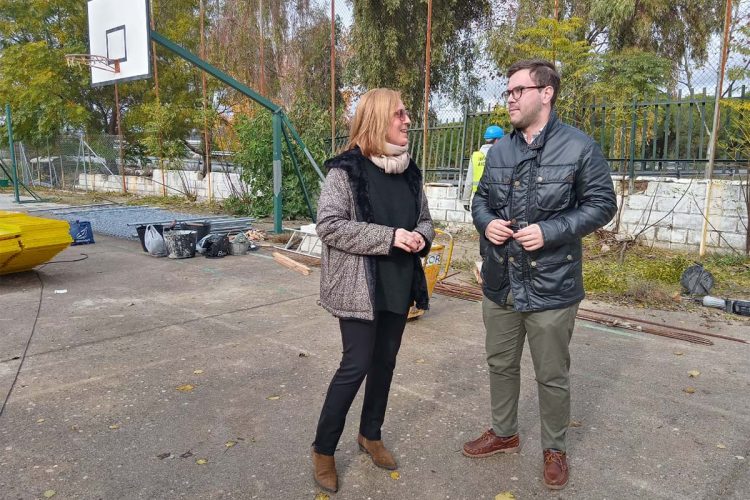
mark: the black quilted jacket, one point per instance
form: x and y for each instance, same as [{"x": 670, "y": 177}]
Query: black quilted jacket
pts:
[{"x": 560, "y": 182}]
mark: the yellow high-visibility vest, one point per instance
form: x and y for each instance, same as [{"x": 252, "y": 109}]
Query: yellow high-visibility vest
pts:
[{"x": 477, "y": 163}]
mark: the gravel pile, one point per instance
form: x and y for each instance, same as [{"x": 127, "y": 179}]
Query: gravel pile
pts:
[{"x": 114, "y": 220}]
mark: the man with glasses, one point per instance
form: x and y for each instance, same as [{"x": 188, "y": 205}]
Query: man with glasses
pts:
[{"x": 544, "y": 188}]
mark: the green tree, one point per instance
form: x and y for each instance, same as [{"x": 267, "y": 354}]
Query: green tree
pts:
[
  {"x": 43, "y": 92},
  {"x": 678, "y": 31},
  {"x": 388, "y": 46},
  {"x": 255, "y": 154}
]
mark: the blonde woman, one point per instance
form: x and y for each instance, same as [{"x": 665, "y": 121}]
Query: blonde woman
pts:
[{"x": 374, "y": 223}]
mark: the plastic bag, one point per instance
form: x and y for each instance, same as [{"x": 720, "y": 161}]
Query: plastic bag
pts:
[
  {"x": 200, "y": 247},
  {"x": 213, "y": 245},
  {"x": 154, "y": 242}
]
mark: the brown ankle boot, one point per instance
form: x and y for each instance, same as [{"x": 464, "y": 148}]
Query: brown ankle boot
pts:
[
  {"x": 377, "y": 451},
  {"x": 556, "y": 470},
  {"x": 324, "y": 471}
]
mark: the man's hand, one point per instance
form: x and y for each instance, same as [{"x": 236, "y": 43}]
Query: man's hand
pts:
[
  {"x": 530, "y": 237},
  {"x": 498, "y": 231}
]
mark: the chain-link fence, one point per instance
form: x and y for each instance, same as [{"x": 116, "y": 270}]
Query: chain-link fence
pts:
[{"x": 60, "y": 162}]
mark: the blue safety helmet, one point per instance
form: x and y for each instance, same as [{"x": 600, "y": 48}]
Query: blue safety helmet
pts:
[{"x": 493, "y": 132}]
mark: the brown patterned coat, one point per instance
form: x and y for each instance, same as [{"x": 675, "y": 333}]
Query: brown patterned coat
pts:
[{"x": 350, "y": 238}]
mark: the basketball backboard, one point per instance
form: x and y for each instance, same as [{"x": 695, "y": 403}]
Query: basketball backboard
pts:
[{"x": 119, "y": 32}]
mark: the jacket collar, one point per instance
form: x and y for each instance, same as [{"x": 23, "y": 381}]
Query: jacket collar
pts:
[{"x": 353, "y": 161}]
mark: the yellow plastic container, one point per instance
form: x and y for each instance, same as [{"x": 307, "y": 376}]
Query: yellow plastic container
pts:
[
  {"x": 436, "y": 265},
  {"x": 9, "y": 243},
  {"x": 27, "y": 241}
]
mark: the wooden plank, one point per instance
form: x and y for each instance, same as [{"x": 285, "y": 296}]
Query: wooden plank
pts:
[{"x": 291, "y": 263}]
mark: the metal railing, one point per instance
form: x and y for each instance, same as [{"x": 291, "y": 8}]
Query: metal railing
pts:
[{"x": 659, "y": 137}]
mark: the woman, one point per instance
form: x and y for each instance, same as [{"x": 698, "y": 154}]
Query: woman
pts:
[{"x": 374, "y": 223}]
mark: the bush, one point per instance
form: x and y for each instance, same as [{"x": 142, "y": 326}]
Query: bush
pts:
[{"x": 255, "y": 156}]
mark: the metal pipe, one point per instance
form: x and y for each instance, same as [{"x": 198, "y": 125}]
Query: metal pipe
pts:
[
  {"x": 715, "y": 128},
  {"x": 13, "y": 166},
  {"x": 206, "y": 139},
  {"x": 426, "y": 90},
  {"x": 119, "y": 136},
  {"x": 333, "y": 77},
  {"x": 672, "y": 327}
]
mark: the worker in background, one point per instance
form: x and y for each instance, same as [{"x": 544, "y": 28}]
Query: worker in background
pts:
[
  {"x": 476, "y": 165},
  {"x": 476, "y": 168}
]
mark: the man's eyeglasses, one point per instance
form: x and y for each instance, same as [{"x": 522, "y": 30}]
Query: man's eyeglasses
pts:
[
  {"x": 517, "y": 92},
  {"x": 402, "y": 114}
]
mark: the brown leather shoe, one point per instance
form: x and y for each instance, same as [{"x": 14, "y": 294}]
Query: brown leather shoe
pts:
[
  {"x": 377, "y": 451},
  {"x": 555, "y": 469},
  {"x": 324, "y": 471},
  {"x": 490, "y": 443}
]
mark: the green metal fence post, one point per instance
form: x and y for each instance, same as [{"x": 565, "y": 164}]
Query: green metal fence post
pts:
[
  {"x": 277, "y": 172},
  {"x": 13, "y": 166}
]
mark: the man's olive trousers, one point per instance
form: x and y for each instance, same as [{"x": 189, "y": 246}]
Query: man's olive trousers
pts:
[{"x": 549, "y": 333}]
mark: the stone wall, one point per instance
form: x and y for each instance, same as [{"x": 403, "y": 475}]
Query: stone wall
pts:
[
  {"x": 665, "y": 212},
  {"x": 178, "y": 183}
]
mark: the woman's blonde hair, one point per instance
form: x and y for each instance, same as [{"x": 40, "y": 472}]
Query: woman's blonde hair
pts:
[{"x": 371, "y": 121}]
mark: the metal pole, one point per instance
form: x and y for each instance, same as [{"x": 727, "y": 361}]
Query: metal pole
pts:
[
  {"x": 13, "y": 167},
  {"x": 277, "y": 173},
  {"x": 214, "y": 71},
  {"x": 715, "y": 128},
  {"x": 302, "y": 145},
  {"x": 295, "y": 164},
  {"x": 261, "y": 22},
  {"x": 206, "y": 139},
  {"x": 426, "y": 89},
  {"x": 333, "y": 77},
  {"x": 631, "y": 153},
  {"x": 119, "y": 136},
  {"x": 158, "y": 100}
]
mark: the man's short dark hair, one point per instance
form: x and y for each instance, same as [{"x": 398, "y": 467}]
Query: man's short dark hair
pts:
[{"x": 541, "y": 71}]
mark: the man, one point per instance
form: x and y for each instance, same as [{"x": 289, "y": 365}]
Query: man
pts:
[
  {"x": 476, "y": 164},
  {"x": 545, "y": 186}
]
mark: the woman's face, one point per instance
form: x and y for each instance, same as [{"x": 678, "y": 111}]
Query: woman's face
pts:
[{"x": 398, "y": 130}]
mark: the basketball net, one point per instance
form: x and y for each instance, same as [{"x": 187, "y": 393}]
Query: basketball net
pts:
[{"x": 93, "y": 61}]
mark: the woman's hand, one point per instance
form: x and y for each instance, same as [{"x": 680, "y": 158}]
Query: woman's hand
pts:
[{"x": 408, "y": 241}]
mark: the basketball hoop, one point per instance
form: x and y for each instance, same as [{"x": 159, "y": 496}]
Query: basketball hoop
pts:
[{"x": 93, "y": 61}]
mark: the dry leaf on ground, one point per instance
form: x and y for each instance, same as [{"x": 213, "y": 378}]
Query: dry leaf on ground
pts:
[
  {"x": 185, "y": 388},
  {"x": 322, "y": 496},
  {"x": 721, "y": 446},
  {"x": 689, "y": 390},
  {"x": 273, "y": 398},
  {"x": 693, "y": 373},
  {"x": 201, "y": 461},
  {"x": 678, "y": 353},
  {"x": 575, "y": 423},
  {"x": 197, "y": 372},
  {"x": 49, "y": 493},
  {"x": 114, "y": 426},
  {"x": 505, "y": 495},
  {"x": 229, "y": 444},
  {"x": 395, "y": 475}
]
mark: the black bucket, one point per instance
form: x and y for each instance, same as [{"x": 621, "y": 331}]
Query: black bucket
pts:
[
  {"x": 200, "y": 228},
  {"x": 141, "y": 230},
  {"x": 180, "y": 243}
]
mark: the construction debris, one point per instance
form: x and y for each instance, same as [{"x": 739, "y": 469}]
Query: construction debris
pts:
[{"x": 474, "y": 293}]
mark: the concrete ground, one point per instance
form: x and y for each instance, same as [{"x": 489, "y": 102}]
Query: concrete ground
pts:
[{"x": 140, "y": 369}]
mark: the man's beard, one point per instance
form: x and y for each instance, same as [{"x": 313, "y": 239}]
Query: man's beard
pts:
[{"x": 527, "y": 118}]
